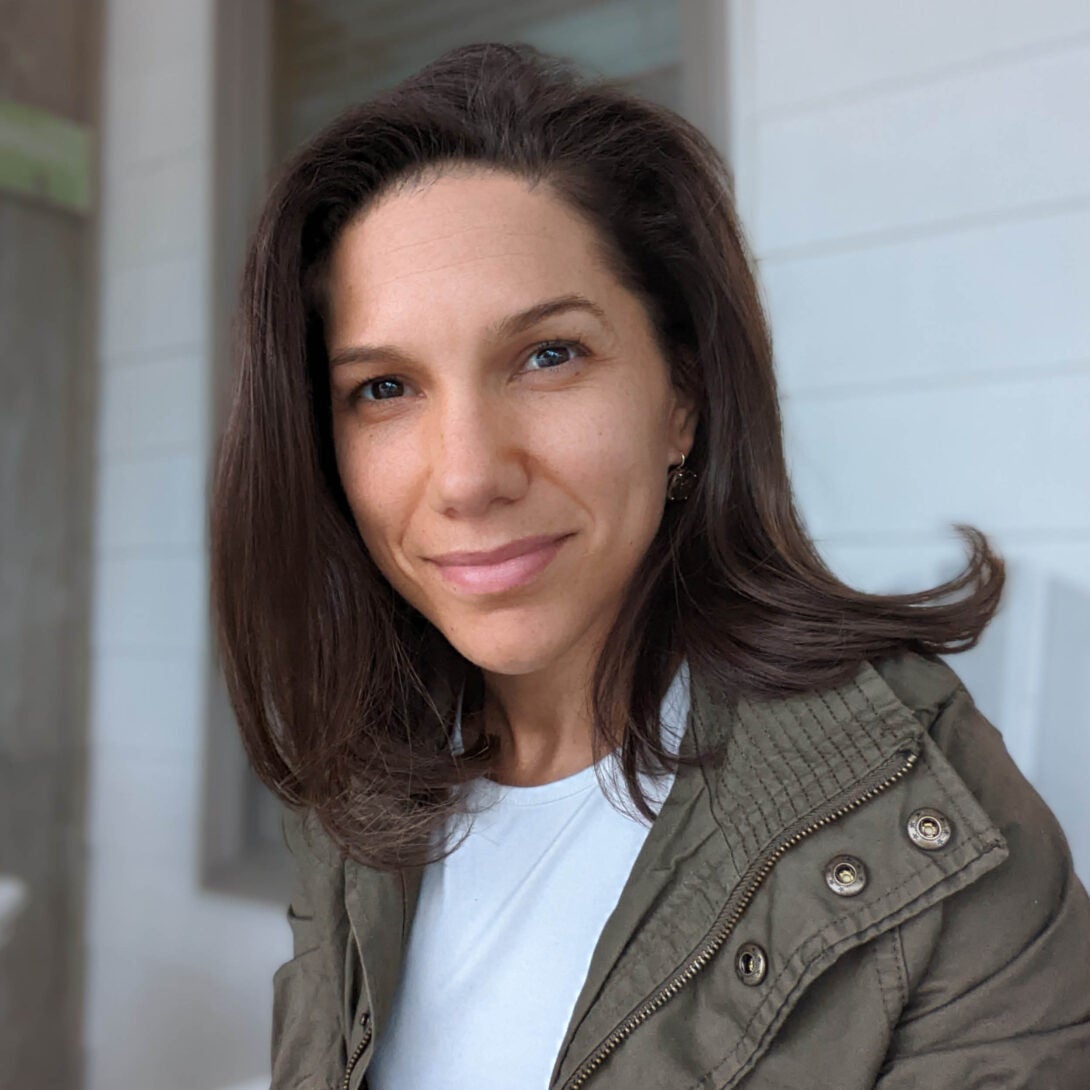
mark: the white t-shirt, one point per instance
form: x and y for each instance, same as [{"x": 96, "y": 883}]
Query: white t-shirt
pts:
[{"x": 506, "y": 926}]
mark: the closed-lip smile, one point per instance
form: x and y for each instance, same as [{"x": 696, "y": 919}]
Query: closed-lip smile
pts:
[
  {"x": 496, "y": 556},
  {"x": 509, "y": 568}
]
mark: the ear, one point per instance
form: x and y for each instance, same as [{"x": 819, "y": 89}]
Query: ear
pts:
[{"x": 683, "y": 421}]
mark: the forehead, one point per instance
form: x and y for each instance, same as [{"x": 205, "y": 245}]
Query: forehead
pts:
[{"x": 457, "y": 233}]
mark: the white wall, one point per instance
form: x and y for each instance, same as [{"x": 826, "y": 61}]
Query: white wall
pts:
[
  {"x": 179, "y": 988},
  {"x": 915, "y": 179}
]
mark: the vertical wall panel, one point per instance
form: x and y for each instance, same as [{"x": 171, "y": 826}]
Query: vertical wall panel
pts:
[{"x": 179, "y": 987}]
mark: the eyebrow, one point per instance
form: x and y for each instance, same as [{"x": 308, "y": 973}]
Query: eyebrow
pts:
[{"x": 509, "y": 326}]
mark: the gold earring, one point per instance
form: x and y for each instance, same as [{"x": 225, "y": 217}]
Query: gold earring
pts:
[{"x": 680, "y": 482}]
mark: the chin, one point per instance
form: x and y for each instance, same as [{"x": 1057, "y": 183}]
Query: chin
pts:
[
  {"x": 512, "y": 648},
  {"x": 497, "y": 660}
]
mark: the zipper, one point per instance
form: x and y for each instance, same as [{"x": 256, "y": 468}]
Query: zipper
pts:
[
  {"x": 724, "y": 927},
  {"x": 357, "y": 1052}
]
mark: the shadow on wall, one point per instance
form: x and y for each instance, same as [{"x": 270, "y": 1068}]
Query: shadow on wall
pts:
[{"x": 1030, "y": 675}]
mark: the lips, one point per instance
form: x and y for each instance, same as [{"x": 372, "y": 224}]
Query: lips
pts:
[{"x": 502, "y": 569}]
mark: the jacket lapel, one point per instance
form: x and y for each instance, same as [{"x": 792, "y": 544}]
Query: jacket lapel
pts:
[{"x": 379, "y": 907}]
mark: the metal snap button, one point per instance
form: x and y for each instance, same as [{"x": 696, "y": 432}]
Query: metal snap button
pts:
[
  {"x": 929, "y": 829},
  {"x": 751, "y": 963},
  {"x": 846, "y": 875}
]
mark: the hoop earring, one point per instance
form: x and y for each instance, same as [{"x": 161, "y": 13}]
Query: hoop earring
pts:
[{"x": 680, "y": 482}]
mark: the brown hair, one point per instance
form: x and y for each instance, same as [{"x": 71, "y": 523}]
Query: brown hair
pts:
[{"x": 333, "y": 676}]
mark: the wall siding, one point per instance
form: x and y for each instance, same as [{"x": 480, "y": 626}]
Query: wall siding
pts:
[{"x": 916, "y": 182}]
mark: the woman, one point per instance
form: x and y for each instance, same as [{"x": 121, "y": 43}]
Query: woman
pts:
[{"x": 596, "y": 775}]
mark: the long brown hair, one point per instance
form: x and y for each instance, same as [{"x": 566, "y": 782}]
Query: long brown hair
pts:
[{"x": 342, "y": 690}]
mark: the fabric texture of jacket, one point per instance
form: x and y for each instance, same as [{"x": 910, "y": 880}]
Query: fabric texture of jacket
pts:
[{"x": 866, "y": 893}]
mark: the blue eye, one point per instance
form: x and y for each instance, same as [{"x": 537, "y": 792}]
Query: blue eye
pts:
[
  {"x": 377, "y": 384},
  {"x": 573, "y": 347}
]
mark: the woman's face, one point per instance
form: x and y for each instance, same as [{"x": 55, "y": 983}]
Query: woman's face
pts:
[{"x": 492, "y": 382}]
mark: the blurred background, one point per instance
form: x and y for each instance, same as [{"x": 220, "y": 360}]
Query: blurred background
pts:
[{"x": 915, "y": 181}]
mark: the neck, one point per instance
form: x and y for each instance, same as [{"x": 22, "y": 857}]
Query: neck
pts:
[
  {"x": 544, "y": 726},
  {"x": 544, "y": 722}
]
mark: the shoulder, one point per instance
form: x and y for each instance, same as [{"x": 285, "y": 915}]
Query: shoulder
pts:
[
  {"x": 307, "y": 840},
  {"x": 1040, "y": 859},
  {"x": 974, "y": 748},
  {"x": 1020, "y": 934}
]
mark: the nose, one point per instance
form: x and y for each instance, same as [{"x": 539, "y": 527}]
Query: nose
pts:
[{"x": 477, "y": 453}]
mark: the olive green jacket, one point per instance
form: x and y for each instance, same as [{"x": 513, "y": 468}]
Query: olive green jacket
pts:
[{"x": 865, "y": 893}]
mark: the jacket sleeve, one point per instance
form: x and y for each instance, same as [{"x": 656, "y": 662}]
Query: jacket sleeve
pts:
[
  {"x": 308, "y": 1042},
  {"x": 1003, "y": 999}
]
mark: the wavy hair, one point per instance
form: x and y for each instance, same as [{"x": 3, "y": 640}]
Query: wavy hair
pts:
[{"x": 342, "y": 690}]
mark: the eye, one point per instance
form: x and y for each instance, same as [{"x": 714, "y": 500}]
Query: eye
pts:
[
  {"x": 378, "y": 389},
  {"x": 553, "y": 353}
]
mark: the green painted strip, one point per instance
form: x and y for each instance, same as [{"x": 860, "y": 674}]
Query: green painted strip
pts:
[{"x": 45, "y": 156}]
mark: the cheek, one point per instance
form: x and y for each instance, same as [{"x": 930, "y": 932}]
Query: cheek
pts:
[
  {"x": 373, "y": 484},
  {"x": 617, "y": 443},
  {"x": 612, "y": 464}
]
